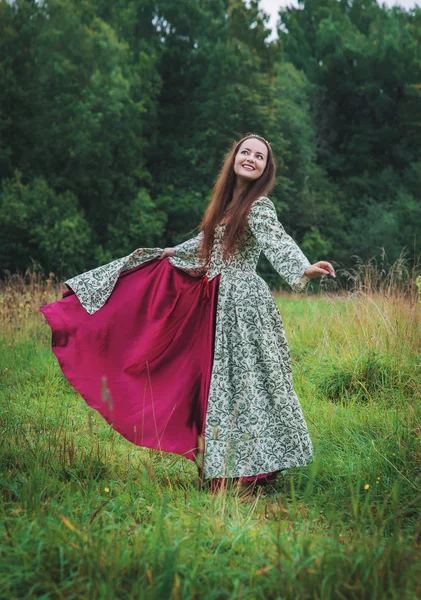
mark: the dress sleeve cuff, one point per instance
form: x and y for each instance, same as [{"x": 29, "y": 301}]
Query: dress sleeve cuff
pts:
[{"x": 301, "y": 284}]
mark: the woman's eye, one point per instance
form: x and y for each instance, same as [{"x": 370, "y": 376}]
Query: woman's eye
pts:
[{"x": 242, "y": 151}]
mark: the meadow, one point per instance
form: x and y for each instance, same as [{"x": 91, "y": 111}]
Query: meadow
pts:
[{"x": 86, "y": 514}]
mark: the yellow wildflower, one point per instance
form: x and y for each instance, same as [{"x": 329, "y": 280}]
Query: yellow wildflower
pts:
[
  {"x": 106, "y": 490},
  {"x": 366, "y": 486}
]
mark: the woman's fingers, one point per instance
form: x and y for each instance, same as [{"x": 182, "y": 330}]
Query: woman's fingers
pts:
[
  {"x": 320, "y": 268},
  {"x": 327, "y": 267},
  {"x": 167, "y": 252}
]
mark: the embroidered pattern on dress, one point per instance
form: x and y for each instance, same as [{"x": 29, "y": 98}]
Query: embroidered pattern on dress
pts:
[{"x": 254, "y": 421}]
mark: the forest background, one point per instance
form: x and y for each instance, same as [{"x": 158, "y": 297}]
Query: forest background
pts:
[{"x": 115, "y": 118}]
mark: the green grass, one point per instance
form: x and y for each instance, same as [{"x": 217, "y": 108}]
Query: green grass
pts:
[{"x": 86, "y": 514}]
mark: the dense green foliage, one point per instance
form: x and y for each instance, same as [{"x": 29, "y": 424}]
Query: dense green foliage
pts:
[
  {"x": 123, "y": 111},
  {"x": 86, "y": 514}
]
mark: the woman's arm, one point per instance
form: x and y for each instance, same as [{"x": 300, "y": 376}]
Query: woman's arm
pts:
[
  {"x": 186, "y": 250},
  {"x": 280, "y": 249}
]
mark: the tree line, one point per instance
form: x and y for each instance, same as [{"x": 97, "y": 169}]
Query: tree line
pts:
[{"x": 115, "y": 118}]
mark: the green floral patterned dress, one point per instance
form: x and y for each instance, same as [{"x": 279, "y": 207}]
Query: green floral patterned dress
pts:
[{"x": 254, "y": 421}]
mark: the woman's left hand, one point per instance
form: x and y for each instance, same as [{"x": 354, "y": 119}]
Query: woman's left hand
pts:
[
  {"x": 167, "y": 252},
  {"x": 320, "y": 268}
]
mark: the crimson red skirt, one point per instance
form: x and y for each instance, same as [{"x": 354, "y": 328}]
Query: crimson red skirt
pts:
[{"x": 144, "y": 360}]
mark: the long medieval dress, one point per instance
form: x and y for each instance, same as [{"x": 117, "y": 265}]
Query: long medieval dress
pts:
[{"x": 188, "y": 357}]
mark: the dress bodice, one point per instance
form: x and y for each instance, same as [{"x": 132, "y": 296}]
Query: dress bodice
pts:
[{"x": 245, "y": 258}]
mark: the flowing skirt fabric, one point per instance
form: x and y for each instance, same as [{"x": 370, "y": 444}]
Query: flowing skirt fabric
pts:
[{"x": 144, "y": 360}]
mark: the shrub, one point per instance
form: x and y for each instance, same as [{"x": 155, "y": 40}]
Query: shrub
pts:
[{"x": 38, "y": 225}]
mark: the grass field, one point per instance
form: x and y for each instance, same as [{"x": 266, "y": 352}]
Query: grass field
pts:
[{"x": 86, "y": 514}]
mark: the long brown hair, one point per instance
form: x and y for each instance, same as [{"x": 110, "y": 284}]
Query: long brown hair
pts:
[{"x": 222, "y": 196}]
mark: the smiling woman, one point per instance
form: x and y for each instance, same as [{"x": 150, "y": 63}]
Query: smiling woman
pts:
[{"x": 192, "y": 350}]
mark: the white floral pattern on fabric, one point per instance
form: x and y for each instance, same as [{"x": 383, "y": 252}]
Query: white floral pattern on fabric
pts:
[
  {"x": 254, "y": 421},
  {"x": 278, "y": 247},
  {"x": 94, "y": 287},
  {"x": 186, "y": 257},
  {"x": 189, "y": 248}
]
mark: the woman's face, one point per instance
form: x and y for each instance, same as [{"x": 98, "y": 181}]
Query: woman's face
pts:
[{"x": 250, "y": 160}]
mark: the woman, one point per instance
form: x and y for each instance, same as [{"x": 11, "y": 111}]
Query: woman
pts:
[{"x": 194, "y": 359}]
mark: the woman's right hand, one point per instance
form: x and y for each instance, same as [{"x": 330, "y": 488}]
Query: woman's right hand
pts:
[
  {"x": 167, "y": 252},
  {"x": 320, "y": 268}
]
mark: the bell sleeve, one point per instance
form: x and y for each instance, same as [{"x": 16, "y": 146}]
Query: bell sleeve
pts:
[
  {"x": 188, "y": 250},
  {"x": 94, "y": 287},
  {"x": 186, "y": 257},
  {"x": 279, "y": 248}
]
